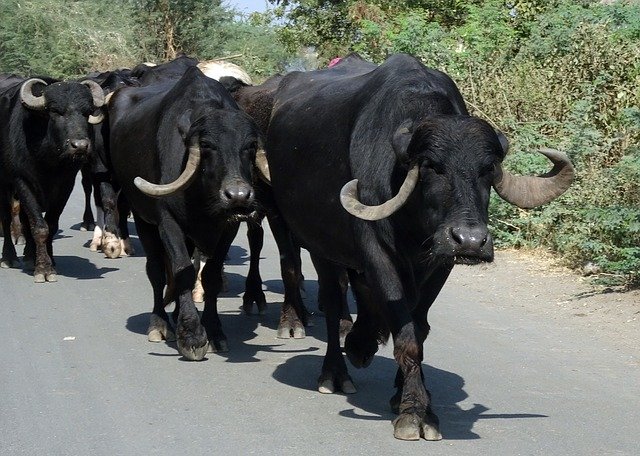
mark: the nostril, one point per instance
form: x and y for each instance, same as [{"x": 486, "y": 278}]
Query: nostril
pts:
[
  {"x": 79, "y": 144},
  {"x": 244, "y": 194},
  {"x": 469, "y": 237},
  {"x": 457, "y": 235}
]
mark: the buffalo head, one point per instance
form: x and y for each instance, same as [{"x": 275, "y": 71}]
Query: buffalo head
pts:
[
  {"x": 454, "y": 161},
  {"x": 222, "y": 146},
  {"x": 70, "y": 108}
]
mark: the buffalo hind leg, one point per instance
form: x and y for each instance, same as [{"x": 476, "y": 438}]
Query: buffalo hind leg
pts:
[
  {"x": 293, "y": 315},
  {"x": 9, "y": 255},
  {"x": 334, "y": 375},
  {"x": 124, "y": 208},
  {"x": 253, "y": 293},
  {"x": 361, "y": 343},
  {"x": 110, "y": 243}
]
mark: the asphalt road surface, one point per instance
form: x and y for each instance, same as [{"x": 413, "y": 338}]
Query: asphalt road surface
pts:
[{"x": 79, "y": 377}]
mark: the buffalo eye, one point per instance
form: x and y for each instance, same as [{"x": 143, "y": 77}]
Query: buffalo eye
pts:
[
  {"x": 434, "y": 167},
  {"x": 488, "y": 170}
]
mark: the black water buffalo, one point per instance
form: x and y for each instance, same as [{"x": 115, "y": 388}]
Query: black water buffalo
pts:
[
  {"x": 190, "y": 136},
  {"x": 109, "y": 81},
  {"x": 111, "y": 234},
  {"x": 257, "y": 101},
  {"x": 45, "y": 136},
  {"x": 171, "y": 71},
  {"x": 341, "y": 143}
]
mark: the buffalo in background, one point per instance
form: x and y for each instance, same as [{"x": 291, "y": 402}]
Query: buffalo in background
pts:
[{"x": 46, "y": 135}]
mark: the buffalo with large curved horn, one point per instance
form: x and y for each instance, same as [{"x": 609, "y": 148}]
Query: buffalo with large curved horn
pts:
[
  {"x": 38, "y": 102},
  {"x": 183, "y": 181},
  {"x": 31, "y": 101},
  {"x": 98, "y": 100},
  {"x": 522, "y": 191}
]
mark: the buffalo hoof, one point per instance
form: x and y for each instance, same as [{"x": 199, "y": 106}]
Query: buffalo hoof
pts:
[
  {"x": 111, "y": 246},
  {"x": 345, "y": 328},
  {"x": 87, "y": 226},
  {"x": 290, "y": 325},
  {"x": 411, "y": 426},
  {"x": 159, "y": 330},
  {"x": 330, "y": 383},
  {"x": 126, "y": 247},
  {"x": 360, "y": 348},
  {"x": 254, "y": 297},
  {"x": 218, "y": 346},
  {"x": 9, "y": 263},
  {"x": 42, "y": 277},
  {"x": 192, "y": 339},
  {"x": 286, "y": 330}
]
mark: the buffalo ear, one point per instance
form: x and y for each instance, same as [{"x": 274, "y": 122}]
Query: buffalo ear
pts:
[
  {"x": 504, "y": 143},
  {"x": 401, "y": 140},
  {"x": 184, "y": 124}
]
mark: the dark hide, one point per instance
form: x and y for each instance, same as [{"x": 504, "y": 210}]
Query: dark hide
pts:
[
  {"x": 150, "y": 129},
  {"x": 41, "y": 152},
  {"x": 169, "y": 71},
  {"x": 356, "y": 120}
]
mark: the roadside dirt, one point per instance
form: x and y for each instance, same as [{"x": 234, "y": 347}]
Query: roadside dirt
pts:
[{"x": 521, "y": 279}]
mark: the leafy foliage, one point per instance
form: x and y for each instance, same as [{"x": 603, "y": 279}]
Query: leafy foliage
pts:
[{"x": 63, "y": 38}]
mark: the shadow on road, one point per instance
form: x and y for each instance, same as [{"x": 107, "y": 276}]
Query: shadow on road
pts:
[
  {"x": 79, "y": 268},
  {"x": 375, "y": 388},
  {"x": 76, "y": 268}
]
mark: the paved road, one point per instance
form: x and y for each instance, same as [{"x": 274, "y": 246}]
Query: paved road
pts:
[{"x": 503, "y": 383}]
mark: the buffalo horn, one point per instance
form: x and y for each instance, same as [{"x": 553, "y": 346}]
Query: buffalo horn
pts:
[
  {"x": 349, "y": 198},
  {"x": 263, "y": 165},
  {"x": 27, "y": 96},
  {"x": 98, "y": 100},
  {"x": 531, "y": 191},
  {"x": 183, "y": 181}
]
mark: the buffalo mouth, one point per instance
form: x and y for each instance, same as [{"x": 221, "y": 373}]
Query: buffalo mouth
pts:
[
  {"x": 241, "y": 214},
  {"x": 471, "y": 260}
]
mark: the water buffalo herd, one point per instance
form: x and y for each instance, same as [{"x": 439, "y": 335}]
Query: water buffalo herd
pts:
[{"x": 378, "y": 171}]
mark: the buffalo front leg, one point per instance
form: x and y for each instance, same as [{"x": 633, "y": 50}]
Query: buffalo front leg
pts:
[
  {"x": 383, "y": 272},
  {"x": 213, "y": 283},
  {"x": 159, "y": 326},
  {"x": 39, "y": 234},
  {"x": 428, "y": 292},
  {"x": 88, "y": 222},
  {"x": 191, "y": 335}
]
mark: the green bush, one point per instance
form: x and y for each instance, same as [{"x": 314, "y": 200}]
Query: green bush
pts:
[{"x": 64, "y": 39}]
